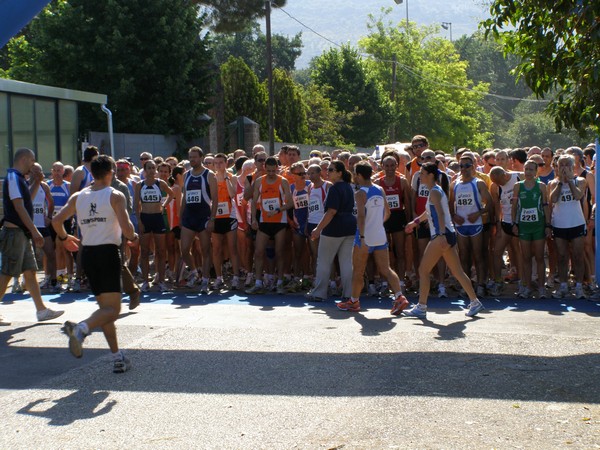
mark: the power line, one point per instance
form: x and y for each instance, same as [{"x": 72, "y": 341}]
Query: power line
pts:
[{"x": 411, "y": 72}]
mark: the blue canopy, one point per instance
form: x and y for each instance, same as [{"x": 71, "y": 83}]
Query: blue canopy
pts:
[{"x": 15, "y": 14}]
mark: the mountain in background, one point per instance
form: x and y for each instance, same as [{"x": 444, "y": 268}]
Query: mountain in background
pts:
[{"x": 343, "y": 21}]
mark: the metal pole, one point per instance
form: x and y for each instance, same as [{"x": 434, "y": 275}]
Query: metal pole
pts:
[
  {"x": 270, "y": 79},
  {"x": 393, "y": 97},
  {"x": 111, "y": 136},
  {"x": 407, "y": 16}
]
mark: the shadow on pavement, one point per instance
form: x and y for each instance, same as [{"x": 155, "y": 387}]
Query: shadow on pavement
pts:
[{"x": 79, "y": 405}]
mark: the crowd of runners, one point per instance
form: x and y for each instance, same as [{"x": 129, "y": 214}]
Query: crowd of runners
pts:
[{"x": 333, "y": 225}]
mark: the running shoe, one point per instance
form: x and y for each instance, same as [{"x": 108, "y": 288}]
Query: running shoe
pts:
[
  {"x": 400, "y": 304},
  {"x": 542, "y": 293},
  {"x": 218, "y": 285},
  {"x": 249, "y": 280},
  {"x": 384, "y": 290},
  {"x": 237, "y": 284},
  {"x": 281, "y": 289},
  {"x": 481, "y": 290},
  {"x": 17, "y": 288},
  {"x": 46, "y": 284},
  {"x": 293, "y": 286},
  {"x": 48, "y": 314},
  {"x": 579, "y": 294},
  {"x": 76, "y": 287},
  {"x": 416, "y": 311},
  {"x": 349, "y": 306},
  {"x": 134, "y": 299},
  {"x": 524, "y": 292},
  {"x": 204, "y": 287},
  {"x": 474, "y": 308},
  {"x": 121, "y": 365},
  {"x": 162, "y": 287},
  {"x": 442, "y": 291},
  {"x": 75, "y": 338},
  {"x": 312, "y": 298},
  {"x": 192, "y": 280},
  {"x": 256, "y": 289},
  {"x": 561, "y": 293},
  {"x": 145, "y": 286},
  {"x": 496, "y": 290},
  {"x": 372, "y": 291}
]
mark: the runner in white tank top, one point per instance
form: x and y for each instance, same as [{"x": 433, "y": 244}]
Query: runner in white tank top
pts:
[{"x": 103, "y": 218}]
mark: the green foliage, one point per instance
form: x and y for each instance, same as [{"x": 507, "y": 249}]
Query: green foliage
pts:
[
  {"x": 325, "y": 122},
  {"x": 243, "y": 94},
  {"x": 289, "y": 110},
  {"x": 558, "y": 44},
  {"x": 353, "y": 90},
  {"x": 250, "y": 45},
  {"x": 434, "y": 95},
  {"x": 146, "y": 55},
  {"x": 533, "y": 126},
  {"x": 233, "y": 15}
]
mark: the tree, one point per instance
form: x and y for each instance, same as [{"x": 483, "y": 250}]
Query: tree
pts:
[
  {"x": 148, "y": 57},
  {"x": 532, "y": 126},
  {"x": 353, "y": 90},
  {"x": 244, "y": 95},
  {"x": 325, "y": 122},
  {"x": 232, "y": 15},
  {"x": 433, "y": 94},
  {"x": 289, "y": 112},
  {"x": 558, "y": 44},
  {"x": 250, "y": 45}
]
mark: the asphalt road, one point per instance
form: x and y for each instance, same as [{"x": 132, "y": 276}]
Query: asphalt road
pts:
[{"x": 273, "y": 372}]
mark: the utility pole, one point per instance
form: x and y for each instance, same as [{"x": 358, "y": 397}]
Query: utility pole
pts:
[
  {"x": 393, "y": 97},
  {"x": 270, "y": 79}
]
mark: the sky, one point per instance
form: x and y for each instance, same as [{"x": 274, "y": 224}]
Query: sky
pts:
[{"x": 343, "y": 21}]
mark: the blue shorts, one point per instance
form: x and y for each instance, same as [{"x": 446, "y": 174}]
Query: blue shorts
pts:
[
  {"x": 195, "y": 223},
  {"x": 153, "y": 223},
  {"x": 371, "y": 248},
  {"x": 469, "y": 230}
]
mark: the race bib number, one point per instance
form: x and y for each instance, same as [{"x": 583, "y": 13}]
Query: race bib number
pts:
[
  {"x": 150, "y": 197},
  {"x": 223, "y": 209},
  {"x": 423, "y": 191},
  {"x": 301, "y": 201},
  {"x": 465, "y": 199},
  {"x": 271, "y": 204},
  {"x": 38, "y": 209},
  {"x": 193, "y": 196},
  {"x": 393, "y": 201},
  {"x": 566, "y": 197},
  {"x": 355, "y": 212},
  {"x": 529, "y": 215},
  {"x": 314, "y": 206},
  {"x": 239, "y": 198}
]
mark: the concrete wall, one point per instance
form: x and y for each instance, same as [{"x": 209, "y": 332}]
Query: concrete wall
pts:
[{"x": 134, "y": 144}]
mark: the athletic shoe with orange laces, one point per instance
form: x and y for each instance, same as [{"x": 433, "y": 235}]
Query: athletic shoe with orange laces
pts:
[
  {"x": 349, "y": 306},
  {"x": 400, "y": 304}
]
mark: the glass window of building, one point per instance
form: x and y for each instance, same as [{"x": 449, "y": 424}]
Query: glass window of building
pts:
[
  {"x": 67, "y": 118},
  {"x": 4, "y": 148},
  {"x": 45, "y": 124},
  {"x": 22, "y": 120}
]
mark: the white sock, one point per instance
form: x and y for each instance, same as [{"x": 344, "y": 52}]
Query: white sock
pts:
[
  {"x": 117, "y": 356},
  {"x": 83, "y": 327}
]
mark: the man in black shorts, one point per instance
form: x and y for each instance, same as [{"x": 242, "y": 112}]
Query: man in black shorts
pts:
[
  {"x": 18, "y": 231},
  {"x": 102, "y": 218}
]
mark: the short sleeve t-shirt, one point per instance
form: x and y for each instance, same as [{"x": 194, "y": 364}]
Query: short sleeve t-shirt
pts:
[{"x": 341, "y": 198}]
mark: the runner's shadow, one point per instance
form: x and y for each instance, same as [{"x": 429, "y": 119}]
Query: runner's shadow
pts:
[
  {"x": 79, "y": 405},
  {"x": 450, "y": 332}
]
